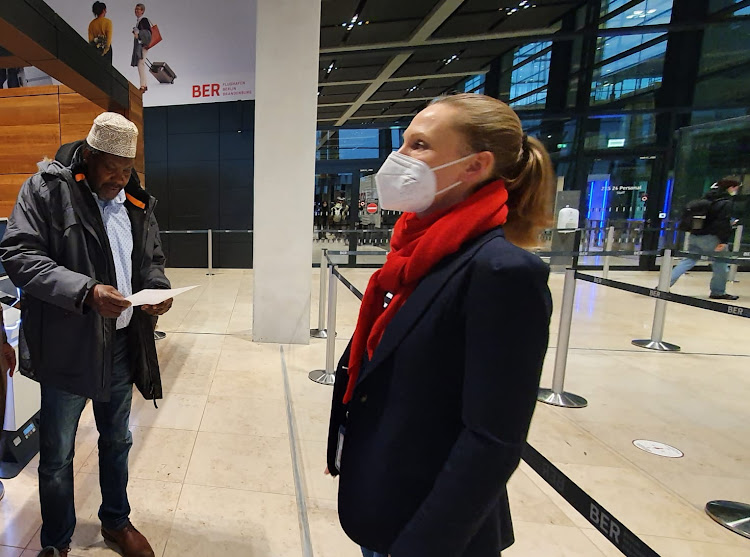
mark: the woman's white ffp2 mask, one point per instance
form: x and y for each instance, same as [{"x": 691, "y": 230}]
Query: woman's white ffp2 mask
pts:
[{"x": 408, "y": 184}]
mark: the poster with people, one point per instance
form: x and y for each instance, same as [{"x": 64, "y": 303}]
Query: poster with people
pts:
[{"x": 174, "y": 51}]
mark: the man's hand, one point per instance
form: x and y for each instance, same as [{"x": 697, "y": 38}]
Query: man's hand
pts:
[
  {"x": 7, "y": 359},
  {"x": 721, "y": 247},
  {"x": 107, "y": 301},
  {"x": 159, "y": 309}
]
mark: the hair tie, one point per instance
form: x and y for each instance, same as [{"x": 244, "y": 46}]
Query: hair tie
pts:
[{"x": 523, "y": 153}]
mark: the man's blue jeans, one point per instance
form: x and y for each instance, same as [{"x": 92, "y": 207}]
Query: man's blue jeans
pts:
[
  {"x": 368, "y": 553},
  {"x": 704, "y": 245},
  {"x": 57, "y": 433}
]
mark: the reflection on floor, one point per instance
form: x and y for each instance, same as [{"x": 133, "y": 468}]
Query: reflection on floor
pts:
[{"x": 212, "y": 471}]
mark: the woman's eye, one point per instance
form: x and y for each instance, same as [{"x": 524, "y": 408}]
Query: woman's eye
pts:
[{"x": 419, "y": 144}]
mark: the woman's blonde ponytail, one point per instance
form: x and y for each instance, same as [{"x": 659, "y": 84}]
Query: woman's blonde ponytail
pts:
[{"x": 522, "y": 162}]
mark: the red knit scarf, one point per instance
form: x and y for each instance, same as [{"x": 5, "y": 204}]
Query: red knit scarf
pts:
[{"x": 416, "y": 247}]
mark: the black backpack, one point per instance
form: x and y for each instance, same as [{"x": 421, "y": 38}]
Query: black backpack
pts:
[{"x": 695, "y": 215}]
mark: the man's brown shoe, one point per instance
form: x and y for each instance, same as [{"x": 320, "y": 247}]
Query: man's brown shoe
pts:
[{"x": 130, "y": 541}]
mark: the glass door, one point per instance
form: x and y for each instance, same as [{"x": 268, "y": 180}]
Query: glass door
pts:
[{"x": 616, "y": 195}]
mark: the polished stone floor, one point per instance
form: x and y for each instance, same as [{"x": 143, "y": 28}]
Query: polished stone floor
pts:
[{"x": 212, "y": 470}]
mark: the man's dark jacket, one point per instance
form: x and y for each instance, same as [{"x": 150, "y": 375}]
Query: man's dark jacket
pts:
[
  {"x": 56, "y": 250},
  {"x": 719, "y": 221}
]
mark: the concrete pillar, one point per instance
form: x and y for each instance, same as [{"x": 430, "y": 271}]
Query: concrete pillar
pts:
[{"x": 286, "y": 79}]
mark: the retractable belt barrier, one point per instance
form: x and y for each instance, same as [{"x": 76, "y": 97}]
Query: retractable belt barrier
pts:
[
  {"x": 741, "y": 257},
  {"x": 613, "y": 529},
  {"x": 727, "y": 309},
  {"x": 348, "y": 284}
]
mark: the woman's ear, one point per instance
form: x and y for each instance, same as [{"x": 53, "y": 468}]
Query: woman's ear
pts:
[{"x": 481, "y": 166}]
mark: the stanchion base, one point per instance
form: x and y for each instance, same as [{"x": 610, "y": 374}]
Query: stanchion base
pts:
[
  {"x": 654, "y": 345},
  {"x": 318, "y": 333},
  {"x": 731, "y": 515},
  {"x": 321, "y": 377},
  {"x": 566, "y": 400}
]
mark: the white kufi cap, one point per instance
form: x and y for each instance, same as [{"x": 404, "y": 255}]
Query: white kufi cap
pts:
[{"x": 114, "y": 134}]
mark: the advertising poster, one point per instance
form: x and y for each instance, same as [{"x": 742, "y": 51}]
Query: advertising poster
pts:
[{"x": 208, "y": 47}]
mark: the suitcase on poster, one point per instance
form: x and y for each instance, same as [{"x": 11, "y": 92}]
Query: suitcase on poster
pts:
[{"x": 162, "y": 72}]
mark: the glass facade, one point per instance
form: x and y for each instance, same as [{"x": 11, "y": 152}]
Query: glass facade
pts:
[
  {"x": 475, "y": 85},
  {"x": 619, "y": 74},
  {"x": 530, "y": 74},
  {"x": 619, "y": 96},
  {"x": 650, "y": 12}
]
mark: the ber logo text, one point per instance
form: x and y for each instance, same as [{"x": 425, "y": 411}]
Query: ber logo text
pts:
[{"x": 206, "y": 90}]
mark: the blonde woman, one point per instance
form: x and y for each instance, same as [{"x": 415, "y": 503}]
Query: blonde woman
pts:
[
  {"x": 434, "y": 396},
  {"x": 141, "y": 41}
]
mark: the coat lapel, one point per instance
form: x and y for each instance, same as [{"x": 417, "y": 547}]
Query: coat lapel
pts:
[
  {"x": 79, "y": 196},
  {"x": 407, "y": 317}
]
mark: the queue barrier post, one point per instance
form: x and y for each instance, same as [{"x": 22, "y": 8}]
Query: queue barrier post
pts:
[
  {"x": 656, "y": 342},
  {"x": 321, "y": 331},
  {"x": 327, "y": 376}
]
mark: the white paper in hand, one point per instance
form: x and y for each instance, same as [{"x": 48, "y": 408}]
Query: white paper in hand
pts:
[{"x": 151, "y": 297}]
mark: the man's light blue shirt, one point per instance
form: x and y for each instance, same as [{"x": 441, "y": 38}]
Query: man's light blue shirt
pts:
[{"x": 120, "y": 234}]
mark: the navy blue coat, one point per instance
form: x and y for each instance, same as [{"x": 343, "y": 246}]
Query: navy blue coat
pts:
[{"x": 440, "y": 414}]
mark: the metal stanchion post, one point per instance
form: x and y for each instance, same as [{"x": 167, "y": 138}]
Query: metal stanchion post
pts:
[
  {"x": 608, "y": 247},
  {"x": 735, "y": 248},
  {"x": 660, "y": 313},
  {"x": 686, "y": 242},
  {"x": 327, "y": 376},
  {"x": 210, "y": 252},
  {"x": 557, "y": 395},
  {"x": 731, "y": 515},
  {"x": 321, "y": 332}
]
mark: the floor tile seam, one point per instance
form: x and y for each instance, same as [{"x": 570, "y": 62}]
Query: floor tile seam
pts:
[
  {"x": 650, "y": 352},
  {"x": 585, "y": 432},
  {"x": 240, "y": 489},
  {"x": 235, "y": 397},
  {"x": 297, "y": 466},
  {"x": 717, "y": 543},
  {"x": 685, "y": 502}
]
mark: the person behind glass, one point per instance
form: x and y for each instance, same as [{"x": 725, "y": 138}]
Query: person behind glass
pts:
[
  {"x": 81, "y": 238},
  {"x": 434, "y": 395},
  {"x": 713, "y": 238},
  {"x": 141, "y": 40},
  {"x": 100, "y": 31},
  {"x": 7, "y": 367}
]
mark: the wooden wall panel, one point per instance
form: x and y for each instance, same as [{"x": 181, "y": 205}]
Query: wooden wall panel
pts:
[
  {"x": 29, "y": 111},
  {"x": 35, "y": 121},
  {"x": 76, "y": 115},
  {"x": 10, "y": 185},
  {"x": 24, "y": 146}
]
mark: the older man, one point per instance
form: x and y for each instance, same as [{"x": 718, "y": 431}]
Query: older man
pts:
[{"x": 83, "y": 237}]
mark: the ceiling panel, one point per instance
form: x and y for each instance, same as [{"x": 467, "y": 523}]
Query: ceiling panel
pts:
[
  {"x": 331, "y": 36},
  {"x": 440, "y": 82},
  {"x": 375, "y": 32},
  {"x": 342, "y": 90},
  {"x": 349, "y": 74},
  {"x": 361, "y": 58},
  {"x": 384, "y": 21},
  {"x": 430, "y": 68},
  {"x": 389, "y": 10},
  {"x": 323, "y": 98},
  {"x": 331, "y": 111},
  {"x": 334, "y": 12},
  {"x": 384, "y": 94},
  {"x": 402, "y": 86},
  {"x": 466, "y": 22}
]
